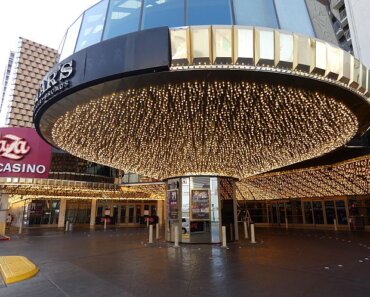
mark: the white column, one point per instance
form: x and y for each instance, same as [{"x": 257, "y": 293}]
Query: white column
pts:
[
  {"x": 160, "y": 212},
  {"x": 93, "y": 213},
  {"x": 62, "y": 212},
  {"x": 3, "y": 212}
]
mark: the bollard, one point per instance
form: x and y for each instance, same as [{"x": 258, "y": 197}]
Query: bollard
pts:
[
  {"x": 105, "y": 224},
  {"x": 253, "y": 239},
  {"x": 286, "y": 224},
  {"x": 335, "y": 225},
  {"x": 67, "y": 225},
  {"x": 71, "y": 226},
  {"x": 20, "y": 227},
  {"x": 157, "y": 231},
  {"x": 176, "y": 237},
  {"x": 224, "y": 237},
  {"x": 245, "y": 230},
  {"x": 151, "y": 234},
  {"x": 147, "y": 222}
]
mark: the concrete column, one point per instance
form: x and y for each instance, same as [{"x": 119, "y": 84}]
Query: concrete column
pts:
[
  {"x": 160, "y": 211},
  {"x": 62, "y": 212},
  {"x": 93, "y": 213},
  {"x": 3, "y": 212}
]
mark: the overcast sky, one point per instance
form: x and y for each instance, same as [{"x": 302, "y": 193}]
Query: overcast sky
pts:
[{"x": 43, "y": 21}]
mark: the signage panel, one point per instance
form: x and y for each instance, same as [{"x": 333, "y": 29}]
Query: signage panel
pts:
[{"x": 23, "y": 153}]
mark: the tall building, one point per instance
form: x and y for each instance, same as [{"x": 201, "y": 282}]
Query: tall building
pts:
[
  {"x": 224, "y": 101},
  {"x": 6, "y": 77},
  {"x": 31, "y": 62},
  {"x": 351, "y": 23}
]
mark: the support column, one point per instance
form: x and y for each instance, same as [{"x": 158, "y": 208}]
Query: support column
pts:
[
  {"x": 160, "y": 212},
  {"x": 235, "y": 209},
  {"x": 62, "y": 212},
  {"x": 3, "y": 212},
  {"x": 93, "y": 213}
]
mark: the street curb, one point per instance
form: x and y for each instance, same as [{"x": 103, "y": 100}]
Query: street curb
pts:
[{"x": 16, "y": 268}]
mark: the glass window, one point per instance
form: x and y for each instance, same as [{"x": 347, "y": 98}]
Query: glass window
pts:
[
  {"x": 330, "y": 212},
  {"x": 293, "y": 16},
  {"x": 341, "y": 212},
  {"x": 158, "y": 13},
  {"x": 255, "y": 13},
  {"x": 123, "y": 17},
  {"x": 92, "y": 25},
  {"x": 209, "y": 12},
  {"x": 70, "y": 39},
  {"x": 317, "y": 211},
  {"x": 308, "y": 212}
]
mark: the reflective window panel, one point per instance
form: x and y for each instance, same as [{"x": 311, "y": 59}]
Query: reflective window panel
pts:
[
  {"x": 293, "y": 16},
  {"x": 122, "y": 18},
  {"x": 92, "y": 25},
  {"x": 70, "y": 39},
  {"x": 209, "y": 12},
  {"x": 255, "y": 13},
  {"x": 158, "y": 13}
]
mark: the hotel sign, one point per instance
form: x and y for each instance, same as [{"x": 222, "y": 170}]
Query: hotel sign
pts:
[
  {"x": 23, "y": 153},
  {"x": 56, "y": 81}
]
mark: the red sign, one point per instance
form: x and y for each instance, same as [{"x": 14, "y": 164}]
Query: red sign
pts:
[{"x": 23, "y": 153}]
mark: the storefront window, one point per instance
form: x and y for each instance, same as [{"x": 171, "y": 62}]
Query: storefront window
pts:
[
  {"x": 43, "y": 212},
  {"x": 138, "y": 214},
  {"x": 367, "y": 209},
  {"x": 308, "y": 212},
  {"x": 330, "y": 212},
  {"x": 92, "y": 25},
  {"x": 317, "y": 211},
  {"x": 123, "y": 17},
  {"x": 255, "y": 13},
  {"x": 169, "y": 13},
  {"x": 78, "y": 212},
  {"x": 293, "y": 16},
  {"x": 209, "y": 12},
  {"x": 123, "y": 214},
  {"x": 296, "y": 212},
  {"x": 341, "y": 212}
]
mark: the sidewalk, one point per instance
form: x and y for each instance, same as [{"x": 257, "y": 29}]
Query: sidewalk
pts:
[{"x": 120, "y": 262}]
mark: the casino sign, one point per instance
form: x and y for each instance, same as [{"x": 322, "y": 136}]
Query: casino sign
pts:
[{"x": 23, "y": 154}]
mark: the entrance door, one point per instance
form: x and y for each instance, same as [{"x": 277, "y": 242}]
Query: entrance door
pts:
[
  {"x": 123, "y": 215},
  {"x": 131, "y": 214}
]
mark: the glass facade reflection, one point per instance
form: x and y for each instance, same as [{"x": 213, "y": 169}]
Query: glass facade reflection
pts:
[
  {"x": 169, "y": 13},
  {"x": 92, "y": 25},
  {"x": 109, "y": 19},
  {"x": 255, "y": 13},
  {"x": 123, "y": 17},
  {"x": 209, "y": 12},
  {"x": 293, "y": 16}
]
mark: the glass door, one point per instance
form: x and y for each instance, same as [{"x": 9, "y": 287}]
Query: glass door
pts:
[
  {"x": 123, "y": 215},
  {"x": 131, "y": 214}
]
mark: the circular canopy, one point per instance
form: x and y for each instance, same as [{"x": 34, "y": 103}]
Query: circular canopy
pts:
[
  {"x": 228, "y": 127},
  {"x": 247, "y": 101}
]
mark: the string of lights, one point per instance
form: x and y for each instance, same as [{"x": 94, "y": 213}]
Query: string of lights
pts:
[{"x": 228, "y": 128}]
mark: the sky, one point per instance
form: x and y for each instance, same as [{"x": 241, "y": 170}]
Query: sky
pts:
[{"x": 42, "y": 21}]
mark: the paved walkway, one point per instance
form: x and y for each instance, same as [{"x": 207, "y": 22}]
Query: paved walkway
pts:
[{"x": 119, "y": 262}]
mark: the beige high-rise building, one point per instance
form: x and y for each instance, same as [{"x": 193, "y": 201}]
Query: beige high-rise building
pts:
[{"x": 30, "y": 64}]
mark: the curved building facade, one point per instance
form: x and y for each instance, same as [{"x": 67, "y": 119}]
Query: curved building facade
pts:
[
  {"x": 109, "y": 19},
  {"x": 201, "y": 94}
]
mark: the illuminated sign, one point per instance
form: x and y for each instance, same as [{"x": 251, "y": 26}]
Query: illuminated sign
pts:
[{"x": 23, "y": 153}]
